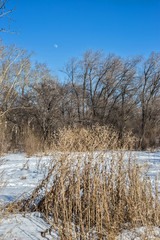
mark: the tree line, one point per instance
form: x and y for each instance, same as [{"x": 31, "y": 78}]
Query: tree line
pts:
[{"x": 107, "y": 90}]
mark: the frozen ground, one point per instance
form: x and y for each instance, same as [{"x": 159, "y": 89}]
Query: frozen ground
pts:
[
  {"x": 23, "y": 174},
  {"x": 142, "y": 233},
  {"x": 20, "y": 227}
]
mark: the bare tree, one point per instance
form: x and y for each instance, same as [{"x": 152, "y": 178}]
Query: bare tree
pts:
[
  {"x": 94, "y": 81},
  {"x": 14, "y": 63},
  {"x": 74, "y": 87},
  {"x": 5, "y": 13},
  {"x": 127, "y": 89},
  {"x": 46, "y": 101},
  {"x": 149, "y": 91}
]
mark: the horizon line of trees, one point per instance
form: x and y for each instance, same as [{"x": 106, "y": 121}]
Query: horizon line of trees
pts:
[{"x": 98, "y": 89}]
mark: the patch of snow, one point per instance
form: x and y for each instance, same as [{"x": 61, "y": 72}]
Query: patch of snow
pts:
[
  {"x": 22, "y": 174},
  {"x": 140, "y": 233},
  {"x": 30, "y": 226}
]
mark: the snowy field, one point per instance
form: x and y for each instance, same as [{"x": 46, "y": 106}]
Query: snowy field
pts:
[{"x": 23, "y": 174}]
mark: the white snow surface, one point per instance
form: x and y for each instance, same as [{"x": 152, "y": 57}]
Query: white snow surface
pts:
[
  {"x": 20, "y": 227},
  {"x": 140, "y": 233},
  {"x": 23, "y": 174}
]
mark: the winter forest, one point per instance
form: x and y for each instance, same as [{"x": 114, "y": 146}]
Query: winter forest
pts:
[{"x": 106, "y": 90}]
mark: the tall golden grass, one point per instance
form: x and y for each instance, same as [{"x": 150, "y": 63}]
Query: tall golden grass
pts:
[{"x": 95, "y": 188}]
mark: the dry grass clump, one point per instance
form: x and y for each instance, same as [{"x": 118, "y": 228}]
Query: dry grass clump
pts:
[
  {"x": 95, "y": 194},
  {"x": 98, "y": 197},
  {"x": 84, "y": 139}
]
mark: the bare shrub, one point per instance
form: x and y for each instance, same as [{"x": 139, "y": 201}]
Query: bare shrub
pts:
[
  {"x": 31, "y": 143},
  {"x": 4, "y": 142}
]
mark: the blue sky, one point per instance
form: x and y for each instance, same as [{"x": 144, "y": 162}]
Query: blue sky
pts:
[{"x": 58, "y": 30}]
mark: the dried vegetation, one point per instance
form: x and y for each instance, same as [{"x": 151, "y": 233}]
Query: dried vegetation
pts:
[{"x": 91, "y": 194}]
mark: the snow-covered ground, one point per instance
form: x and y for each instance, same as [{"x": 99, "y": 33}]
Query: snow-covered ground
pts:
[
  {"x": 20, "y": 227},
  {"x": 23, "y": 174},
  {"x": 142, "y": 233}
]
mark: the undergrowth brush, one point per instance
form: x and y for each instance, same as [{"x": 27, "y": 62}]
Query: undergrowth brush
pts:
[{"x": 95, "y": 188}]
